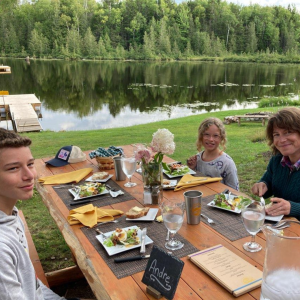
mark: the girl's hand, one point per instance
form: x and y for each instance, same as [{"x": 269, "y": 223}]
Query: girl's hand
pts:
[
  {"x": 192, "y": 162},
  {"x": 279, "y": 207},
  {"x": 259, "y": 189}
]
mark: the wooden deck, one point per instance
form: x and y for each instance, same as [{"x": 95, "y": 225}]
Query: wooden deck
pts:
[
  {"x": 5, "y": 70},
  {"x": 22, "y": 110}
]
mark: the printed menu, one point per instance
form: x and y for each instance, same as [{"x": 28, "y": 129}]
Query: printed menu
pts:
[{"x": 228, "y": 269}]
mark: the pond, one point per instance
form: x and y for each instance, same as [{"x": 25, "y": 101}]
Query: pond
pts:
[{"x": 89, "y": 95}]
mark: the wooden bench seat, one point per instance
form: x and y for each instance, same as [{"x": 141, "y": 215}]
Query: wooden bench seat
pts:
[
  {"x": 33, "y": 253},
  {"x": 262, "y": 117},
  {"x": 54, "y": 278}
]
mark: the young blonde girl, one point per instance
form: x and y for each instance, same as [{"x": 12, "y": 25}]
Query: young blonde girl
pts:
[{"x": 213, "y": 161}]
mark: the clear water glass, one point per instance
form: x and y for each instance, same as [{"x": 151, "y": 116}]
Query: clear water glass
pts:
[
  {"x": 128, "y": 167},
  {"x": 173, "y": 215},
  {"x": 253, "y": 217}
]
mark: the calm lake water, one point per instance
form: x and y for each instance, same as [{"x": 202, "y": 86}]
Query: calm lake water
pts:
[{"x": 94, "y": 95}]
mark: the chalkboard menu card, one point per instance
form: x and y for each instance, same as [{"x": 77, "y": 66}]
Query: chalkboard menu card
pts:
[{"x": 163, "y": 272}]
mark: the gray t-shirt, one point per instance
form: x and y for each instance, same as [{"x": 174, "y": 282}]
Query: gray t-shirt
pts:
[
  {"x": 223, "y": 166},
  {"x": 18, "y": 280}
]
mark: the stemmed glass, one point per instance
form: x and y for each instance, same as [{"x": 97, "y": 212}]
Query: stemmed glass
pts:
[
  {"x": 128, "y": 167},
  {"x": 137, "y": 146},
  {"x": 253, "y": 217},
  {"x": 172, "y": 213}
]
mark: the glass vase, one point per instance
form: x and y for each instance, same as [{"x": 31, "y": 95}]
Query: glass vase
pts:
[{"x": 153, "y": 183}]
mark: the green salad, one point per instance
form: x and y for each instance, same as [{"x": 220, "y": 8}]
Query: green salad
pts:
[
  {"x": 123, "y": 237},
  {"x": 89, "y": 189},
  {"x": 176, "y": 169},
  {"x": 237, "y": 202}
]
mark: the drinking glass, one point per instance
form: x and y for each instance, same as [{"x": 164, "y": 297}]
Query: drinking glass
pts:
[
  {"x": 173, "y": 214},
  {"x": 253, "y": 217},
  {"x": 137, "y": 146},
  {"x": 128, "y": 167}
]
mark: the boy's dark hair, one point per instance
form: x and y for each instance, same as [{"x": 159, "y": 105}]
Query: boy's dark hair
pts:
[{"x": 10, "y": 139}]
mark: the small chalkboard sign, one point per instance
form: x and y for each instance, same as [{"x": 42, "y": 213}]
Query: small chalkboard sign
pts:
[{"x": 163, "y": 272}]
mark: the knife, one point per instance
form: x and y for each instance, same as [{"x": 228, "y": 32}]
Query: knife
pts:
[
  {"x": 79, "y": 202},
  {"x": 132, "y": 258},
  {"x": 143, "y": 237}
]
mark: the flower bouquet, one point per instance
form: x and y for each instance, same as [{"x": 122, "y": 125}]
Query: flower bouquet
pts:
[{"x": 152, "y": 165}]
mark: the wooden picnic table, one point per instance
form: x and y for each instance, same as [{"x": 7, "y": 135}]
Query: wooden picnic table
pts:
[
  {"x": 258, "y": 116},
  {"x": 193, "y": 284}
]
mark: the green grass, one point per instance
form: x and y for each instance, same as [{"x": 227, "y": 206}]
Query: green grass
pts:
[
  {"x": 246, "y": 146},
  {"x": 278, "y": 101}
]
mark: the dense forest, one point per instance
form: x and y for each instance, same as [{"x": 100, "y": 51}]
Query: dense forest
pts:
[{"x": 146, "y": 29}]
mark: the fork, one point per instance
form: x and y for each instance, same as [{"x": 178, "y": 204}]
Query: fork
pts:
[
  {"x": 196, "y": 180},
  {"x": 110, "y": 188},
  {"x": 210, "y": 221},
  {"x": 63, "y": 186},
  {"x": 113, "y": 221},
  {"x": 282, "y": 225},
  {"x": 101, "y": 233}
]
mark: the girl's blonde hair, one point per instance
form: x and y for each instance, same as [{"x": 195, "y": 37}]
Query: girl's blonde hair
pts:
[{"x": 205, "y": 125}]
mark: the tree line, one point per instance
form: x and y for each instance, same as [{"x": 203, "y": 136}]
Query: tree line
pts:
[{"x": 145, "y": 29}]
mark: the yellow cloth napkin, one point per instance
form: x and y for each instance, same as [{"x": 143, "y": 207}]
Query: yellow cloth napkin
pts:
[
  {"x": 89, "y": 215},
  {"x": 188, "y": 181},
  {"x": 66, "y": 177}
]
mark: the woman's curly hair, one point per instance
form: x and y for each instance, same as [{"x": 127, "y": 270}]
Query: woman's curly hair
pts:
[{"x": 287, "y": 118}]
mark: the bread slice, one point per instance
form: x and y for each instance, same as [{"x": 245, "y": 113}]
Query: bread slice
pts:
[
  {"x": 137, "y": 212},
  {"x": 100, "y": 175}
]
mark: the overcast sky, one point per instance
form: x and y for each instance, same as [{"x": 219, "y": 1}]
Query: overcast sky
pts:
[{"x": 262, "y": 2}]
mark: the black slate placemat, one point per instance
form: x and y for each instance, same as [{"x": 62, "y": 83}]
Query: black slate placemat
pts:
[
  {"x": 156, "y": 231},
  {"x": 229, "y": 224},
  {"x": 98, "y": 201}
]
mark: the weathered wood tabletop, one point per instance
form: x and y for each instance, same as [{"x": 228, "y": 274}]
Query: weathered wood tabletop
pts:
[{"x": 193, "y": 284}]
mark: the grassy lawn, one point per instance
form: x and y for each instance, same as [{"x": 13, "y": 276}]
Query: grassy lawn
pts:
[{"x": 250, "y": 156}]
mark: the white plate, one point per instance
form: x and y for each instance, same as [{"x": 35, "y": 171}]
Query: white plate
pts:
[
  {"x": 237, "y": 210},
  {"x": 119, "y": 248},
  {"x": 192, "y": 172},
  {"x": 78, "y": 198},
  {"x": 274, "y": 218},
  {"x": 212, "y": 204},
  {"x": 99, "y": 180},
  {"x": 171, "y": 185},
  {"x": 149, "y": 217}
]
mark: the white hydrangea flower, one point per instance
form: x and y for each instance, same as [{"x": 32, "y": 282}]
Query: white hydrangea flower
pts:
[{"x": 163, "y": 141}]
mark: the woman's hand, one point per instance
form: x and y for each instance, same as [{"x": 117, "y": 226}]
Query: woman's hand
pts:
[
  {"x": 279, "y": 207},
  {"x": 259, "y": 189},
  {"x": 192, "y": 162}
]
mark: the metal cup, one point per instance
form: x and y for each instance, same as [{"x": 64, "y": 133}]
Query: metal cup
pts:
[
  {"x": 120, "y": 175},
  {"x": 193, "y": 206}
]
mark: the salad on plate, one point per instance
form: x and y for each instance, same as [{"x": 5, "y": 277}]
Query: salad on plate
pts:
[
  {"x": 88, "y": 190},
  {"x": 123, "y": 237},
  {"x": 232, "y": 203},
  {"x": 176, "y": 169}
]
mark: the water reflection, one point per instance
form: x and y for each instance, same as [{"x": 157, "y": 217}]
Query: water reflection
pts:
[{"x": 93, "y": 95}]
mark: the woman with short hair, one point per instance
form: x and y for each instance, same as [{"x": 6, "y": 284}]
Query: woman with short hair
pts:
[{"x": 282, "y": 177}]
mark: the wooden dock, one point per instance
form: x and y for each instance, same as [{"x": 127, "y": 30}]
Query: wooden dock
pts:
[
  {"x": 5, "y": 70},
  {"x": 22, "y": 110}
]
